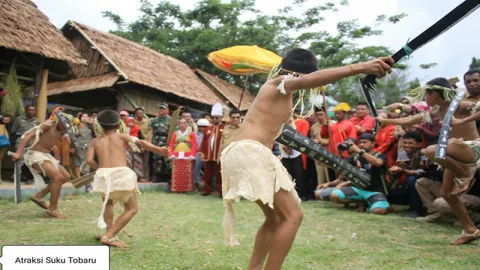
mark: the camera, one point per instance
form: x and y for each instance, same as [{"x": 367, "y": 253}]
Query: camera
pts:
[{"x": 346, "y": 144}]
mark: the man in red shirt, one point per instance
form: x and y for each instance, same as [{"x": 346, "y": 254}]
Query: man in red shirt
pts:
[
  {"x": 362, "y": 121},
  {"x": 341, "y": 130}
]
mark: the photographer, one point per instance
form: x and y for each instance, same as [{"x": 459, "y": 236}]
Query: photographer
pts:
[{"x": 366, "y": 159}]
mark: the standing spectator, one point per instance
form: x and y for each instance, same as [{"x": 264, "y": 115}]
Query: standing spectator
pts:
[
  {"x": 21, "y": 125},
  {"x": 208, "y": 117},
  {"x": 136, "y": 159},
  {"x": 158, "y": 134},
  {"x": 4, "y": 139},
  {"x": 386, "y": 143},
  {"x": 362, "y": 121},
  {"x": 231, "y": 131},
  {"x": 210, "y": 153},
  {"x": 341, "y": 130},
  {"x": 124, "y": 116},
  {"x": 144, "y": 124},
  {"x": 202, "y": 124},
  {"x": 322, "y": 170},
  {"x": 183, "y": 149},
  {"x": 93, "y": 114},
  {"x": 292, "y": 161},
  {"x": 84, "y": 136},
  {"x": 187, "y": 115},
  {"x": 472, "y": 83}
]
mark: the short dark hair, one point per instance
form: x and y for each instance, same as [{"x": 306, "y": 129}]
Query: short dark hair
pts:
[
  {"x": 300, "y": 60},
  {"x": 362, "y": 104},
  {"x": 367, "y": 136},
  {"x": 108, "y": 119},
  {"x": 28, "y": 106},
  {"x": 319, "y": 109},
  {"x": 415, "y": 135},
  {"x": 138, "y": 109},
  {"x": 232, "y": 112},
  {"x": 439, "y": 82},
  {"x": 471, "y": 71}
]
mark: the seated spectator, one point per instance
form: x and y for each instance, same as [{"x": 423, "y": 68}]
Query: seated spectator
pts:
[
  {"x": 441, "y": 208},
  {"x": 365, "y": 158},
  {"x": 323, "y": 191},
  {"x": 410, "y": 169}
]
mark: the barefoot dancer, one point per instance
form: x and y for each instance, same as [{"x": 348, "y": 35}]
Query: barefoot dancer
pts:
[
  {"x": 38, "y": 159},
  {"x": 249, "y": 168},
  {"x": 113, "y": 179},
  {"x": 463, "y": 151}
]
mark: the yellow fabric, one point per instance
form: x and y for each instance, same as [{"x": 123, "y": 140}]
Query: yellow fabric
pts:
[
  {"x": 244, "y": 60},
  {"x": 342, "y": 107}
]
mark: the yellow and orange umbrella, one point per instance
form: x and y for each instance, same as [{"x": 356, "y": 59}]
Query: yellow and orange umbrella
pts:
[{"x": 244, "y": 60}]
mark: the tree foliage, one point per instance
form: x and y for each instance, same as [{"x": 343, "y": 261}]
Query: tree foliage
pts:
[
  {"x": 189, "y": 35},
  {"x": 475, "y": 63}
]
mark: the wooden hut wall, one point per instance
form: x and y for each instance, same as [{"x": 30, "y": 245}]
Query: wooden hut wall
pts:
[
  {"x": 95, "y": 99},
  {"x": 149, "y": 99},
  {"x": 97, "y": 65}
]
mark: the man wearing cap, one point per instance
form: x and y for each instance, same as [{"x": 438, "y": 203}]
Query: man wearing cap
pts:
[
  {"x": 202, "y": 125},
  {"x": 158, "y": 134},
  {"x": 341, "y": 130},
  {"x": 209, "y": 151},
  {"x": 124, "y": 117}
]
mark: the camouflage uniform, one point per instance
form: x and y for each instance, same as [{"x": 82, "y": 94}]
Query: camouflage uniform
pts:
[{"x": 160, "y": 127}]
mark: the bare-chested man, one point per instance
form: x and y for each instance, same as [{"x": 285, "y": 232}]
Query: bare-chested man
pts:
[
  {"x": 463, "y": 151},
  {"x": 251, "y": 170},
  {"x": 113, "y": 179},
  {"x": 38, "y": 159}
]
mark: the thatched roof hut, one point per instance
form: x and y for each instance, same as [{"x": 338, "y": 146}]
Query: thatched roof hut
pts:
[
  {"x": 25, "y": 30},
  {"x": 231, "y": 92},
  {"x": 144, "y": 76}
]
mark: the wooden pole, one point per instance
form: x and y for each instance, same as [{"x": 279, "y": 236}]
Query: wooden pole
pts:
[
  {"x": 42, "y": 98},
  {"x": 38, "y": 83},
  {"x": 243, "y": 92}
]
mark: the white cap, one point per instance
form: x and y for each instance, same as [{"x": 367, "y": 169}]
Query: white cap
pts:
[
  {"x": 217, "y": 109},
  {"x": 203, "y": 123}
]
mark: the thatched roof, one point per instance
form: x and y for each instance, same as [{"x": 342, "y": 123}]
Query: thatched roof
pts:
[
  {"x": 231, "y": 92},
  {"x": 23, "y": 27},
  {"x": 82, "y": 84},
  {"x": 142, "y": 65}
]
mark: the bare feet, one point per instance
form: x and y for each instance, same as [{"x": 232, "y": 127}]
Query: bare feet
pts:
[
  {"x": 141, "y": 180},
  {"x": 112, "y": 242},
  {"x": 466, "y": 238},
  {"x": 56, "y": 213},
  {"x": 39, "y": 202}
]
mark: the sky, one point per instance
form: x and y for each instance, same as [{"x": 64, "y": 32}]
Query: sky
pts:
[{"x": 453, "y": 50}]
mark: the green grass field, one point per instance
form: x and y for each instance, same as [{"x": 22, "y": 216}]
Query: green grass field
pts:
[{"x": 184, "y": 232}]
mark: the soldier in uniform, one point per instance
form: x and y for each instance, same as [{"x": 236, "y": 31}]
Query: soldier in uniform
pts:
[
  {"x": 158, "y": 135},
  {"x": 21, "y": 125}
]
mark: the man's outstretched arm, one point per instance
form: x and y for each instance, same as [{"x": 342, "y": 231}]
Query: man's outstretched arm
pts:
[{"x": 379, "y": 67}]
